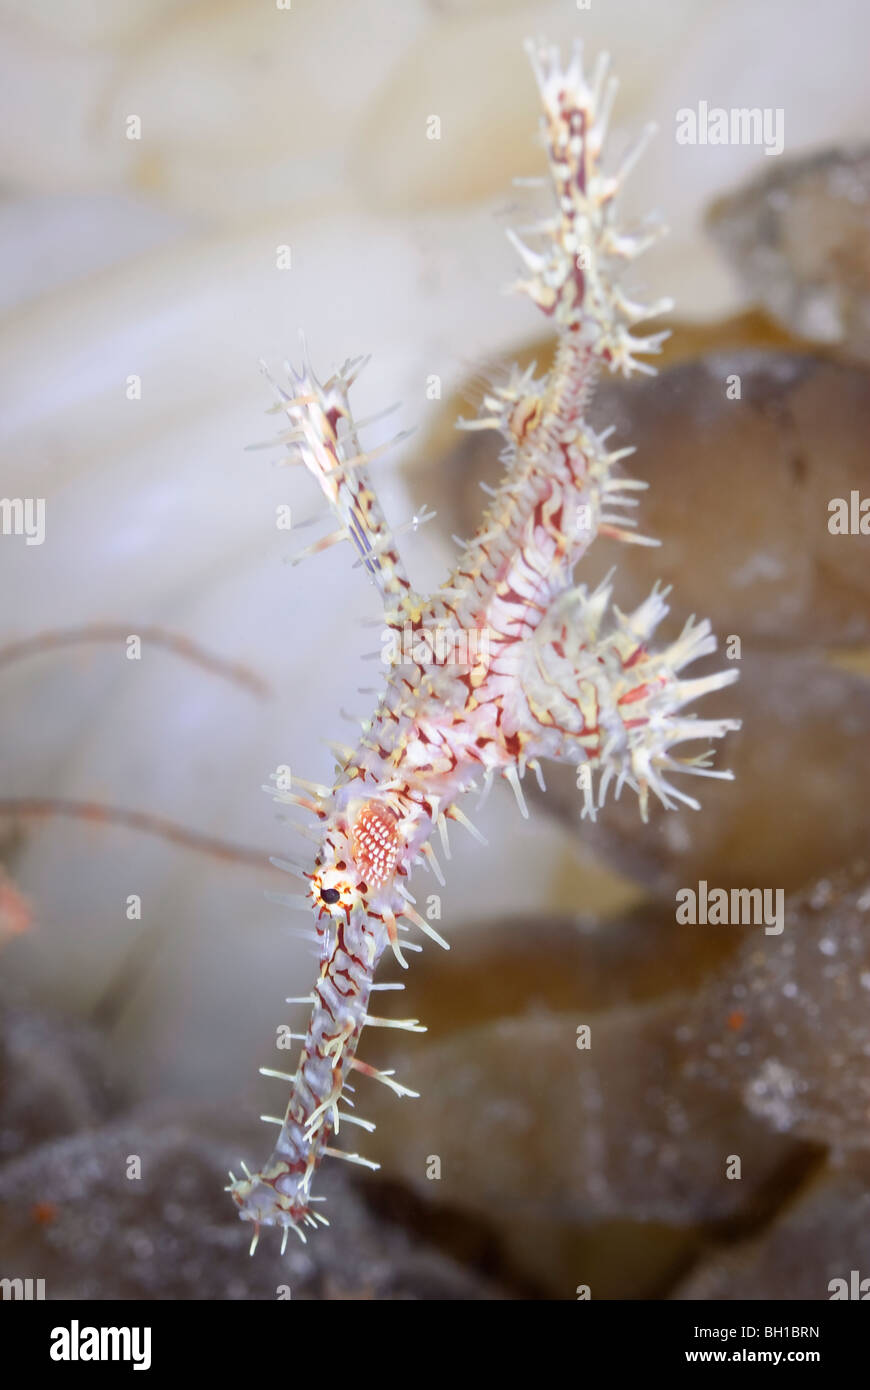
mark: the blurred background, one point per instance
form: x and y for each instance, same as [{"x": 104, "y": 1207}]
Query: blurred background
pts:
[{"x": 183, "y": 188}]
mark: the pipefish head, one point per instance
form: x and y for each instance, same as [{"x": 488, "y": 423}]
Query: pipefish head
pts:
[{"x": 358, "y": 858}]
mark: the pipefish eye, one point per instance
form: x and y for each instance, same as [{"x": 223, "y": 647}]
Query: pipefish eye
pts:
[{"x": 329, "y": 895}]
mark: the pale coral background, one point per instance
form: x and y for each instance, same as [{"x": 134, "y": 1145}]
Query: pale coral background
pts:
[{"x": 263, "y": 127}]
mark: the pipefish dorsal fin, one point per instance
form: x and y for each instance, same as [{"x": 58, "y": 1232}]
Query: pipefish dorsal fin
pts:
[{"x": 324, "y": 436}]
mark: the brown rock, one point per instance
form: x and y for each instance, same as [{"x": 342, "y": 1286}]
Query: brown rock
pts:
[
  {"x": 69, "y": 1214},
  {"x": 525, "y": 1124},
  {"x": 822, "y": 1236},
  {"x": 54, "y": 1079},
  {"x": 528, "y": 966},
  {"x": 787, "y": 1023},
  {"x": 798, "y": 238}
]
